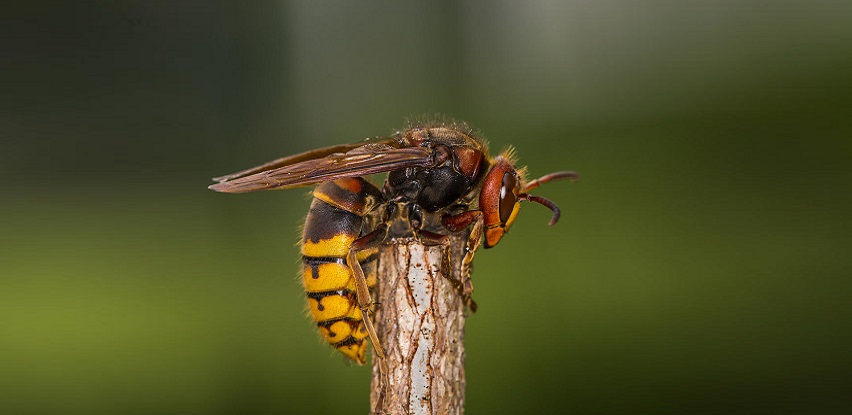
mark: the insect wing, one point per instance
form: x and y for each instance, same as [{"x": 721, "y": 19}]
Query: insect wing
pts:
[
  {"x": 308, "y": 155},
  {"x": 359, "y": 161}
]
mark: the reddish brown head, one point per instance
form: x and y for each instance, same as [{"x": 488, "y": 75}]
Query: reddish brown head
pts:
[{"x": 502, "y": 192}]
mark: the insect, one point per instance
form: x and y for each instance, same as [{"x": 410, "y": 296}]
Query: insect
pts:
[{"x": 440, "y": 181}]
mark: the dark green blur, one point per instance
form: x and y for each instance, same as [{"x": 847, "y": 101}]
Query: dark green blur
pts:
[{"x": 701, "y": 265}]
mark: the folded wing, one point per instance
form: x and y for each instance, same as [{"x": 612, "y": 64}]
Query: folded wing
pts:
[{"x": 324, "y": 165}]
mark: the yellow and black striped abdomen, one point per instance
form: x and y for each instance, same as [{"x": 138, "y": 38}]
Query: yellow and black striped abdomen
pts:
[{"x": 333, "y": 223}]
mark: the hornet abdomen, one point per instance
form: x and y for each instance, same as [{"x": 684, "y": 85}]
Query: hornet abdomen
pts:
[{"x": 335, "y": 221}]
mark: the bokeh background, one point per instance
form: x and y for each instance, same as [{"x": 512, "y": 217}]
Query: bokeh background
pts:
[{"x": 702, "y": 264}]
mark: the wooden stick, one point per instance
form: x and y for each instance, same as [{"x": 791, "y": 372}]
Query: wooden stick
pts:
[{"x": 420, "y": 322}]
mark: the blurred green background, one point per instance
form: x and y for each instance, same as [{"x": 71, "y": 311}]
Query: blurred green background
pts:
[{"x": 702, "y": 264}]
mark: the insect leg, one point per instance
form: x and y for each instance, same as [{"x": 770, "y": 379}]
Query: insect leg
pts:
[
  {"x": 362, "y": 291},
  {"x": 432, "y": 238},
  {"x": 415, "y": 219},
  {"x": 461, "y": 221},
  {"x": 456, "y": 223},
  {"x": 365, "y": 301},
  {"x": 470, "y": 250}
]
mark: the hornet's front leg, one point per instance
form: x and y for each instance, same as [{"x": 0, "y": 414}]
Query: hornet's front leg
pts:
[{"x": 459, "y": 222}]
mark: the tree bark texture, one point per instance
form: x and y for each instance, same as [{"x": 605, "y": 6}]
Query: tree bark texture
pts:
[{"x": 420, "y": 322}]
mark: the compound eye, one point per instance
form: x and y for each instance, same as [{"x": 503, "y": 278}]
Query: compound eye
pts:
[{"x": 508, "y": 196}]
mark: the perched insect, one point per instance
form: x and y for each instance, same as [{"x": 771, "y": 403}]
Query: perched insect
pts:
[{"x": 440, "y": 181}]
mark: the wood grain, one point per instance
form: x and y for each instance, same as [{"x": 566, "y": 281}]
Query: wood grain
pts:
[{"x": 420, "y": 322}]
